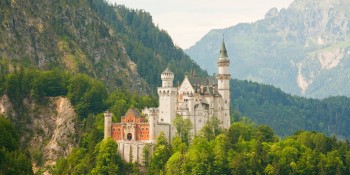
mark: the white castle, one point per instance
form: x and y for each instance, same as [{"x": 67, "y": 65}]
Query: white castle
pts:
[{"x": 197, "y": 99}]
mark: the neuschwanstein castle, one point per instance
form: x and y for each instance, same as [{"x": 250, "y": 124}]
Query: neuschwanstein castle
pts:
[{"x": 196, "y": 98}]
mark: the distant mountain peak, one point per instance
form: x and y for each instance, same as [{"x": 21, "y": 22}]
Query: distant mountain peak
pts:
[
  {"x": 301, "y": 49},
  {"x": 272, "y": 13}
]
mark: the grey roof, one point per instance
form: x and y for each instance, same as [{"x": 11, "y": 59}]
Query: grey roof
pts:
[
  {"x": 203, "y": 81},
  {"x": 209, "y": 83},
  {"x": 209, "y": 90},
  {"x": 167, "y": 70},
  {"x": 223, "y": 51}
]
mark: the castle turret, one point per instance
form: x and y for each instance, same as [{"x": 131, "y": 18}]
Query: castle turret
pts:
[
  {"x": 152, "y": 118},
  {"x": 108, "y": 125},
  {"x": 224, "y": 77},
  {"x": 167, "y": 78},
  {"x": 167, "y": 98}
]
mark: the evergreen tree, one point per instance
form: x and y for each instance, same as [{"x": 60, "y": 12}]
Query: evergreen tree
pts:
[{"x": 161, "y": 154}]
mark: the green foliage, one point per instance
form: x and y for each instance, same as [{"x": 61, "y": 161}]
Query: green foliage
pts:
[
  {"x": 250, "y": 149},
  {"x": 121, "y": 100},
  {"x": 146, "y": 152},
  {"x": 18, "y": 86},
  {"x": 13, "y": 159},
  {"x": 9, "y": 137},
  {"x": 93, "y": 156},
  {"x": 107, "y": 158},
  {"x": 198, "y": 158},
  {"x": 50, "y": 84},
  {"x": 36, "y": 84},
  {"x": 175, "y": 163},
  {"x": 161, "y": 154},
  {"x": 2, "y": 80},
  {"x": 287, "y": 114},
  {"x": 87, "y": 95},
  {"x": 145, "y": 41},
  {"x": 211, "y": 129},
  {"x": 183, "y": 128}
]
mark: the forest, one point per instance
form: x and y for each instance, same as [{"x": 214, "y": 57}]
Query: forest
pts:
[
  {"x": 246, "y": 148},
  {"x": 286, "y": 114},
  {"x": 150, "y": 47}
]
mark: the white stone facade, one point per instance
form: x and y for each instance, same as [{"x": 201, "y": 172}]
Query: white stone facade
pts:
[{"x": 197, "y": 99}]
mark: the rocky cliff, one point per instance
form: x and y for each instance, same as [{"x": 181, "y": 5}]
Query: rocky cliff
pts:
[
  {"x": 119, "y": 46},
  {"x": 47, "y": 130},
  {"x": 65, "y": 34},
  {"x": 304, "y": 49}
]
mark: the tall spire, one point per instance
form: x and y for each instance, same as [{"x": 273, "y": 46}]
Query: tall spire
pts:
[{"x": 223, "y": 51}]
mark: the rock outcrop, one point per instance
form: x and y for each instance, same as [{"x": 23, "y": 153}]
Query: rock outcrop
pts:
[{"x": 48, "y": 130}]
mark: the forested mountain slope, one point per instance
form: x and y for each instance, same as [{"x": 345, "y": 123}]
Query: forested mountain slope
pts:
[
  {"x": 120, "y": 46},
  {"x": 286, "y": 114},
  {"x": 304, "y": 49}
]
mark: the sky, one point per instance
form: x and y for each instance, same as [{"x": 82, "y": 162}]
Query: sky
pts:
[{"x": 187, "y": 21}]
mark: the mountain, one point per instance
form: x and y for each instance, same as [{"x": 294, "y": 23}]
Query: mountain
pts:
[
  {"x": 117, "y": 45},
  {"x": 287, "y": 114},
  {"x": 304, "y": 49}
]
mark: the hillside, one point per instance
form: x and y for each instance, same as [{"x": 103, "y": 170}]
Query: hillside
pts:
[
  {"x": 304, "y": 49},
  {"x": 120, "y": 46},
  {"x": 48, "y": 130},
  {"x": 286, "y": 114}
]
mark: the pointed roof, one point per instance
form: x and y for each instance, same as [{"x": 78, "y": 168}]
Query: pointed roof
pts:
[
  {"x": 167, "y": 70},
  {"x": 223, "y": 51},
  {"x": 133, "y": 112}
]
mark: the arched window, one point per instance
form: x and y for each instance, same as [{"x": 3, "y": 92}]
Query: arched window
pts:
[{"x": 129, "y": 136}]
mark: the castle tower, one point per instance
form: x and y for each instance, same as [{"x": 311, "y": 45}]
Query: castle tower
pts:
[
  {"x": 224, "y": 77},
  {"x": 152, "y": 123},
  {"x": 167, "y": 97},
  {"x": 108, "y": 125}
]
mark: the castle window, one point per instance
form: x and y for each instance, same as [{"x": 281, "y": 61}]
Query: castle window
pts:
[
  {"x": 146, "y": 128},
  {"x": 129, "y": 136}
]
